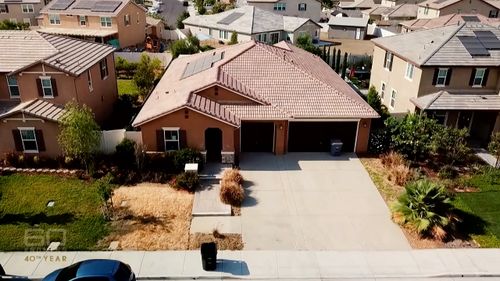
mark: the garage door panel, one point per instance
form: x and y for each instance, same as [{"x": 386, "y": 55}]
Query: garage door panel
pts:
[
  {"x": 316, "y": 136},
  {"x": 257, "y": 137}
]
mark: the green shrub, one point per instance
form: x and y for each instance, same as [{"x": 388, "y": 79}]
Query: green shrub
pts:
[
  {"x": 231, "y": 193},
  {"x": 182, "y": 17},
  {"x": 187, "y": 155},
  {"x": 160, "y": 162},
  {"x": 125, "y": 153},
  {"x": 187, "y": 181},
  {"x": 426, "y": 206},
  {"x": 451, "y": 145},
  {"x": 447, "y": 172},
  {"x": 379, "y": 142}
]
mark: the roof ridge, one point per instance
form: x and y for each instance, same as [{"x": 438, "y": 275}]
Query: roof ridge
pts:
[
  {"x": 255, "y": 94},
  {"x": 442, "y": 44},
  {"x": 218, "y": 107},
  {"x": 434, "y": 99}
]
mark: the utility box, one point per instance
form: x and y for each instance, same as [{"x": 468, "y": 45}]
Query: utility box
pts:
[{"x": 336, "y": 147}]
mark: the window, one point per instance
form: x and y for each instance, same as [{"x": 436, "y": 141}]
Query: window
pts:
[
  {"x": 28, "y": 139},
  {"x": 89, "y": 78},
  {"x": 103, "y": 65},
  {"x": 439, "y": 116},
  {"x": 82, "y": 20},
  {"x": 27, "y": 21},
  {"x": 393, "y": 98},
  {"x": 4, "y": 9},
  {"x": 171, "y": 137},
  {"x": 426, "y": 10},
  {"x": 137, "y": 17},
  {"x": 302, "y": 7},
  {"x": 126, "y": 19},
  {"x": 47, "y": 90},
  {"x": 409, "y": 71},
  {"x": 441, "y": 76},
  {"x": 54, "y": 19},
  {"x": 275, "y": 37},
  {"x": 388, "y": 60},
  {"x": 223, "y": 34},
  {"x": 280, "y": 6},
  {"x": 493, "y": 14},
  {"x": 106, "y": 22},
  {"x": 13, "y": 86},
  {"x": 27, "y": 8},
  {"x": 382, "y": 90},
  {"x": 478, "y": 77},
  {"x": 14, "y": 20}
]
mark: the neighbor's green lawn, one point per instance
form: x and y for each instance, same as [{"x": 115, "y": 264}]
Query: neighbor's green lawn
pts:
[
  {"x": 485, "y": 206},
  {"x": 23, "y": 200},
  {"x": 127, "y": 87}
]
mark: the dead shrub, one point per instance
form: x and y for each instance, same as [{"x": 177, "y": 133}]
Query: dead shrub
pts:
[
  {"x": 400, "y": 174},
  {"x": 392, "y": 159},
  {"x": 232, "y": 175},
  {"x": 231, "y": 193}
]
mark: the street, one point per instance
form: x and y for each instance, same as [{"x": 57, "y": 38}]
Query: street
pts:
[{"x": 170, "y": 10}]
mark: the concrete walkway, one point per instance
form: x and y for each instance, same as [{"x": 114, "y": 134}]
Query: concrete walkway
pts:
[
  {"x": 206, "y": 200},
  {"x": 275, "y": 264},
  {"x": 484, "y": 155}
]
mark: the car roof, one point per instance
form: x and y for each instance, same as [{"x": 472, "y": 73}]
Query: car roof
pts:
[{"x": 97, "y": 267}]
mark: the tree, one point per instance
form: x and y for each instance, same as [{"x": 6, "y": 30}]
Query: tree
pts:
[
  {"x": 334, "y": 58},
  {"x": 190, "y": 45},
  {"x": 375, "y": 102},
  {"x": 344, "y": 66},
  {"x": 305, "y": 42},
  {"x": 147, "y": 71},
  {"x": 425, "y": 206},
  {"x": 218, "y": 7},
  {"x": 451, "y": 144},
  {"x": 10, "y": 25},
  {"x": 182, "y": 17},
  {"x": 80, "y": 135},
  {"x": 494, "y": 146},
  {"x": 234, "y": 38},
  {"x": 337, "y": 64}
]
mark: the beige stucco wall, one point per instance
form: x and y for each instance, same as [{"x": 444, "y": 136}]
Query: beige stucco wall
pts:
[
  {"x": 312, "y": 12},
  {"x": 347, "y": 32},
  {"x": 432, "y": 13},
  {"x": 462, "y": 7},
  {"x": 309, "y": 27},
  {"x": 16, "y": 12}
]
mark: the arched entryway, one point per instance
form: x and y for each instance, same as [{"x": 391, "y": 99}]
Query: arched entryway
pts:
[{"x": 213, "y": 144}]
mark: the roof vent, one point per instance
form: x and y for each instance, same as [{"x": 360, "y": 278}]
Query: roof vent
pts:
[{"x": 167, "y": 92}]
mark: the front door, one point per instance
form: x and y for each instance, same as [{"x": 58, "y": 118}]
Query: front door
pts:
[{"x": 213, "y": 144}]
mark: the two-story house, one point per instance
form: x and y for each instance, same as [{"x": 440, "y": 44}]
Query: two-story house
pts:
[
  {"x": 310, "y": 9},
  {"x": 435, "y": 8},
  {"x": 36, "y": 83},
  {"x": 450, "y": 72},
  {"x": 21, "y": 11},
  {"x": 252, "y": 23},
  {"x": 121, "y": 23},
  {"x": 451, "y": 19}
]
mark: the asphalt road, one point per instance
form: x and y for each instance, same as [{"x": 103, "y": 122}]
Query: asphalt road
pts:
[{"x": 171, "y": 9}]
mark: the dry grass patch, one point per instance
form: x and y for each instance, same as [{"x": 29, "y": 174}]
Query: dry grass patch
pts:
[
  {"x": 224, "y": 241},
  {"x": 151, "y": 217}
]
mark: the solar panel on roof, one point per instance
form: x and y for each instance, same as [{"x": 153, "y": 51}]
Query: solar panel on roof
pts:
[
  {"x": 62, "y": 4},
  {"x": 439, "y": 1},
  {"x": 202, "y": 64},
  {"x": 230, "y": 18},
  {"x": 484, "y": 33},
  {"x": 488, "y": 39},
  {"x": 85, "y": 4},
  {"x": 473, "y": 46},
  {"x": 106, "y": 6},
  {"x": 470, "y": 18}
]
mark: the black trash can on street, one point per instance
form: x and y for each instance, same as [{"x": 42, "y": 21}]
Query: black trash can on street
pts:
[
  {"x": 336, "y": 147},
  {"x": 209, "y": 256}
]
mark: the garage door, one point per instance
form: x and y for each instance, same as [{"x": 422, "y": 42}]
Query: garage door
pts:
[
  {"x": 316, "y": 136},
  {"x": 257, "y": 137}
]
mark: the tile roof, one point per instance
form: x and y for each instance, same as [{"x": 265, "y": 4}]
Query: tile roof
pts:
[
  {"x": 439, "y": 4},
  {"x": 348, "y": 21},
  {"x": 451, "y": 19},
  {"x": 77, "y": 31},
  {"x": 440, "y": 46},
  {"x": 21, "y": 2},
  {"x": 444, "y": 100},
  {"x": 76, "y": 8},
  {"x": 399, "y": 11},
  {"x": 71, "y": 55},
  {"x": 38, "y": 108},
  {"x": 360, "y": 4},
  {"x": 284, "y": 81},
  {"x": 247, "y": 20}
]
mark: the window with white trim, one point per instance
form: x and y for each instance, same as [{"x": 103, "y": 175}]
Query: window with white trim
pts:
[
  {"x": 47, "y": 90},
  {"x": 382, "y": 90},
  {"x": 479, "y": 77},
  {"x": 426, "y": 10},
  {"x": 27, "y": 8},
  {"x": 27, "y": 21},
  {"x": 28, "y": 139},
  {"x": 275, "y": 37},
  {"x": 13, "y": 86},
  {"x": 54, "y": 19},
  {"x": 89, "y": 77},
  {"x": 106, "y": 22},
  {"x": 441, "y": 77},
  {"x": 126, "y": 19},
  {"x": 280, "y": 6},
  {"x": 13, "y": 20},
  {"x": 393, "y": 98},
  {"x": 171, "y": 137},
  {"x": 409, "y": 71},
  {"x": 302, "y": 7},
  {"x": 388, "y": 60},
  {"x": 82, "y": 20},
  {"x": 3, "y": 9},
  {"x": 223, "y": 34}
]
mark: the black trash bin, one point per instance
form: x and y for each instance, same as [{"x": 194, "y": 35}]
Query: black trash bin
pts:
[
  {"x": 209, "y": 256},
  {"x": 336, "y": 147}
]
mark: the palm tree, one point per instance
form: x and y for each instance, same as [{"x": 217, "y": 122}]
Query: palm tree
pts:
[{"x": 426, "y": 206}]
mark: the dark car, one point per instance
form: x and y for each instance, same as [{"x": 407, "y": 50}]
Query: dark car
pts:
[{"x": 93, "y": 270}]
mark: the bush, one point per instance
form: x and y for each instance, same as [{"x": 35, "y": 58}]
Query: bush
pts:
[
  {"x": 182, "y": 17},
  {"x": 447, "y": 172},
  {"x": 125, "y": 154},
  {"x": 187, "y": 181},
  {"x": 159, "y": 162},
  {"x": 232, "y": 175},
  {"x": 379, "y": 142},
  {"x": 231, "y": 193},
  {"x": 451, "y": 145},
  {"x": 392, "y": 159},
  {"x": 187, "y": 155},
  {"x": 234, "y": 38},
  {"x": 425, "y": 206},
  {"x": 398, "y": 170}
]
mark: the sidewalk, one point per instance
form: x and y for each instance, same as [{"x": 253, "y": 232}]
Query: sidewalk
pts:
[{"x": 276, "y": 264}]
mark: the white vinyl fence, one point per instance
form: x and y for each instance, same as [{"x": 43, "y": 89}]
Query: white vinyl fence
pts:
[{"x": 110, "y": 139}]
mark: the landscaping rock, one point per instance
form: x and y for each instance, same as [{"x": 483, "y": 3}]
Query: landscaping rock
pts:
[{"x": 113, "y": 246}]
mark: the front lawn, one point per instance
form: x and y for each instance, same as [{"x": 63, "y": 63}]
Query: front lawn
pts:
[
  {"x": 23, "y": 207},
  {"x": 127, "y": 87}
]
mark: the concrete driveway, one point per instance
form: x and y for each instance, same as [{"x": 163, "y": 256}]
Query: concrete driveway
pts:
[{"x": 313, "y": 201}]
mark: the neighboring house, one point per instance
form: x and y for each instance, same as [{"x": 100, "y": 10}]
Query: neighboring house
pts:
[
  {"x": 253, "y": 97},
  {"x": 154, "y": 27},
  {"x": 121, "y": 23},
  {"x": 393, "y": 13},
  {"x": 359, "y": 4},
  {"x": 20, "y": 11},
  {"x": 451, "y": 19},
  {"x": 310, "y": 9},
  {"x": 38, "y": 81},
  {"x": 450, "y": 72},
  {"x": 436, "y": 8},
  {"x": 347, "y": 28},
  {"x": 392, "y": 3},
  {"x": 251, "y": 23}
]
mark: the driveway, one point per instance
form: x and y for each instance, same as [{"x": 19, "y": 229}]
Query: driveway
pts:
[{"x": 312, "y": 201}]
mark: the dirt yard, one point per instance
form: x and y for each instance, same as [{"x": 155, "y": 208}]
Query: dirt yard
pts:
[
  {"x": 151, "y": 217},
  {"x": 355, "y": 47}
]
